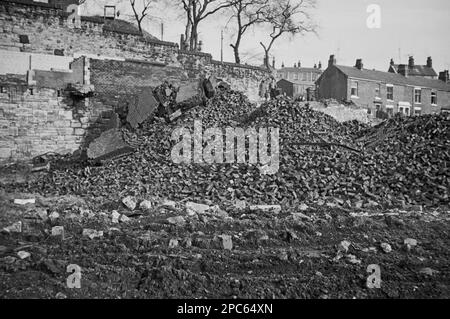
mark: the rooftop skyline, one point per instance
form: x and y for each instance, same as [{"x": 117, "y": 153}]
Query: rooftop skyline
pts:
[{"x": 408, "y": 27}]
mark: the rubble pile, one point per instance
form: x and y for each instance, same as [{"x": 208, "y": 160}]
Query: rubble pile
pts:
[
  {"x": 400, "y": 163},
  {"x": 413, "y": 155}
]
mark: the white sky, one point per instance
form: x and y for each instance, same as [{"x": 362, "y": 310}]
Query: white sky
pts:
[{"x": 408, "y": 27}]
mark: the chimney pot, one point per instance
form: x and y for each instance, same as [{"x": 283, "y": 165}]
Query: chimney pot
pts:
[
  {"x": 359, "y": 65},
  {"x": 411, "y": 62},
  {"x": 392, "y": 62},
  {"x": 444, "y": 76},
  {"x": 332, "y": 60},
  {"x": 429, "y": 62}
]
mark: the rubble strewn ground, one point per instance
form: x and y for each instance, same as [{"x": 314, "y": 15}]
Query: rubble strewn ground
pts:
[{"x": 349, "y": 195}]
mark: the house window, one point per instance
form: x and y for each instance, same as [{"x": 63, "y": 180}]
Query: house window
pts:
[
  {"x": 354, "y": 89},
  {"x": 2, "y": 89},
  {"x": 434, "y": 98},
  {"x": 308, "y": 77},
  {"x": 295, "y": 76},
  {"x": 417, "y": 111},
  {"x": 417, "y": 96},
  {"x": 390, "y": 92},
  {"x": 31, "y": 91}
]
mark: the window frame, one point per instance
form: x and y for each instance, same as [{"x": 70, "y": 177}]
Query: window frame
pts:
[
  {"x": 352, "y": 82},
  {"x": 388, "y": 87},
  {"x": 378, "y": 91},
  {"x": 434, "y": 94},
  {"x": 420, "y": 95}
]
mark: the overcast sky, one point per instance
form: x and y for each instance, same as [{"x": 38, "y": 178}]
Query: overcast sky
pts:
[{"x": 408, "y": 27}]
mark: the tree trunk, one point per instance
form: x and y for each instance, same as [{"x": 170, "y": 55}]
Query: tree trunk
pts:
[
  {"x": 235, "y": 47},
  {"x": 194, "y": 37}
]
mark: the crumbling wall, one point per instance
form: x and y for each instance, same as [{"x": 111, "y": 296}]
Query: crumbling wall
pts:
[
  {"x": 342, "y": 113},
  {"x": 244, "y": 78}
]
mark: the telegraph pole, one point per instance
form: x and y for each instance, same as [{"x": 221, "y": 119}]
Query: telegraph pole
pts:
[{"x": 162, "y": 31}]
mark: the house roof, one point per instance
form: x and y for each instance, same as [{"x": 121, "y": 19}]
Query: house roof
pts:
[
  {"x": 300, "y": 70},
  {"x": 417, "y": 70},
  {"x": 393, "y": 78}
]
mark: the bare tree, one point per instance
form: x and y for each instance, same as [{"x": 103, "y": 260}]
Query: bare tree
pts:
[
  {"x": 287, "y": 17},
  {"x": 196, "y": 11},
  {"x": 141, "y": 12},
  {"x": 247, "y": 13}
]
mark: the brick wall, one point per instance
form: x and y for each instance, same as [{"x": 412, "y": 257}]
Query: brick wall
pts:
[
  {"x": 35, "y": 124},
  {"x": 47, "y": 30},
  {"x": 332, "y": 84}
]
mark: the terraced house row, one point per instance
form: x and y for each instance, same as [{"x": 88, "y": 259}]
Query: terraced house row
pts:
[{"x": 408, "y": 89}]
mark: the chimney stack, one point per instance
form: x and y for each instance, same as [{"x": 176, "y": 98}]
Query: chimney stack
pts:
[
  {"x": 332, "y": 60},
  {"x": 411, "y": 62},
  {"x": 295, "y": 65},
  {"x": 392, "y": 62},
  {"x": 359, "y": 65},
  {"x": 429, "y": 62},
  {"x": 444, "y": 76},
  {"x": 320, "y": 65},
  {"x": 403, "y": 70},
  {"x": 299, "y": 64}
]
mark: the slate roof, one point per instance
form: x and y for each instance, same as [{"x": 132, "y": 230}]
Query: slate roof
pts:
[
  {"x": 300, "y": 70},
  {"x": 393, "y": 78},
  {"x": 417, "y": 70}
]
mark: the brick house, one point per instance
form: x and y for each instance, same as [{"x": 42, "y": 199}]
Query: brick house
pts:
[
  {"x": 296, "y": 81},
  {"x": 384, "y": 91},
  {"x": 425, "y": 71}
]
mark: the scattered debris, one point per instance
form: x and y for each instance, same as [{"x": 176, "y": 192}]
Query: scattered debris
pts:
[
  {"x": 115, "y": 217},
  {"x": 173, "y": 243},
  {"x": 178, "y": 220},
  {"x": 428, "y": 271},
  {"x": 92, "y": 234},
  {"x": 276, "y": 209},
  {"x": 24, "y": 201},
  {"x": 227, "y": 242},
  {"x": 410, "y": 243},
  {"x": 58, "y": 231},
  {"x": 23, "y": 254},
  {"x": 129, "y": 202},
  {"x": 386, "y": 248},
  {"x": 353, "y": 260},
  {"x": 146, "y": 205},
  {"x": 344, "y": 246},
  {"x": 53, "y": 216},
  {"x": 14, "y": 228},
  {"x": 124, "y": 219},
  {"x": 110, "y": 144},
  {"x": 194, "y": 208}
]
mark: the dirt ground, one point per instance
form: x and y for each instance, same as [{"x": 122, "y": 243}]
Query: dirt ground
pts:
[{"x": 296, "y": 253}]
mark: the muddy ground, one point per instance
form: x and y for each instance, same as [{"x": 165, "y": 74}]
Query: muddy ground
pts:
[{"x": 296, "y": 253}]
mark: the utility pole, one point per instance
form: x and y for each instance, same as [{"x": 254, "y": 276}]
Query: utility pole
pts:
[
  {"x": 162, "y": 31},
  {"x": 221, "y": 46}
]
